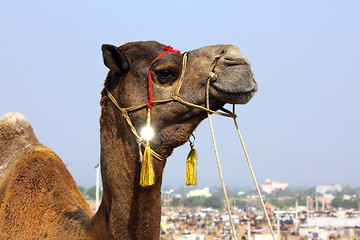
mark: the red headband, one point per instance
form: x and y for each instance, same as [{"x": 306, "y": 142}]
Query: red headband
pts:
[{"x": 167, "y": 49}]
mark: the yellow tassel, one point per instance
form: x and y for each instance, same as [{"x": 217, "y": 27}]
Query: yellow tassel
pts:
[
  {"x": 147, "y": 174},
  {"x": 191, "y": 167}
]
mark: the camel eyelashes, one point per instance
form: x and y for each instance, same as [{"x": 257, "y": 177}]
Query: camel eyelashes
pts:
[{"x": 166, "y": 75}]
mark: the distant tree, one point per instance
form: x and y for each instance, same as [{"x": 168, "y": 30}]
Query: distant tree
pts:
[
  {"x": 176, "y": 202},
  {"x": 239, "y": 203},
  {"x": 287, "y": 202},
  {"x": 275, "y": 202},
  {"x": 291, "y": 202},
  {"x": 350, "y": 203},
  {"x": 348, "y": 190},
  {"x": 214, "y": 202},
  {"x": 194, "y": 201},
  {"x": 82, "y": 189},
  {"x": 357, "y": 190},
  {"x": 301, "y": 201},
  {"x": 304, "y": 192},
  {"x": 91, "y": 192},
  {"x": 338, "y": 202}
]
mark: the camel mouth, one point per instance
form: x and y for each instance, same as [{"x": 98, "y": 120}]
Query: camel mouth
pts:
[
  {"x": 236, "y": 88},
  {"x": 231, "y": 96},
  {"x": 235, "y": 82}
]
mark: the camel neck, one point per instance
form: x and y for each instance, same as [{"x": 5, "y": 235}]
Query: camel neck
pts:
[{"x": 127, "y": 211}]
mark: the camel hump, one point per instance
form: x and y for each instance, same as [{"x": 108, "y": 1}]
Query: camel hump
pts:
[
  {"x": 14, "y": 125},
  {"x": 16, "y": 134},
  {"x": 15, "y": 122}
]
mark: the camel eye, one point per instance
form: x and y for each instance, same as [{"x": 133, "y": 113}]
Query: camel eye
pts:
[{"x": 166, "y": 75}]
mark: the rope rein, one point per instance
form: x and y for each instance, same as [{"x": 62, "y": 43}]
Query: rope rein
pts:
[
  {"x": 253, "y": 176},
  {"x": 233, "y": 230},
  {"x": 213, "y": 77},
  {"x": 176, "y": 97}
]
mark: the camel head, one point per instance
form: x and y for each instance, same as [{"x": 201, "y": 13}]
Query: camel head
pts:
[{"x": 174, "y": 122}]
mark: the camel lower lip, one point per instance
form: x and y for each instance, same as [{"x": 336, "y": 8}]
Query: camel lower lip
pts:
[{"x": 230, "y": 97}]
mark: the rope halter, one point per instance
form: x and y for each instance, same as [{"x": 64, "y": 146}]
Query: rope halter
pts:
[
  {"x": 175, "y": 97},
  {"x": 167, "y": 49}
]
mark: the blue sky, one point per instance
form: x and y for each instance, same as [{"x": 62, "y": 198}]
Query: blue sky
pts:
[{"x": 302, "y": 127}]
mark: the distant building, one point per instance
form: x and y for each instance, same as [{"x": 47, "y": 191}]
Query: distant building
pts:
[
  {"x": 326, "y": 199},
  {"x": 241, "y": 193},
  {"x": 270, "y": 186},
  {"x": 168, "y": 194},
  {"x": 324, "y": 189},
  {"x": 205, "y": 192},
  {"x": 347, "y": 197}
]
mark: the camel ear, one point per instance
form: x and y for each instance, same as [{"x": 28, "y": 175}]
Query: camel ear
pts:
[{"x": 114, "y": 58}]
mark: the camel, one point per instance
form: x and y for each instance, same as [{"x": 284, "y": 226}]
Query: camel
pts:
[{"x": 39, "y": 198}]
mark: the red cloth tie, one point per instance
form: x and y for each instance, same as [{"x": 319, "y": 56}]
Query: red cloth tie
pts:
[{"x": 167, "y": 49}]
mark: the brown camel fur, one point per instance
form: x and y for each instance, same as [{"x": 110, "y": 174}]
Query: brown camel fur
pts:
[{"x": 39, "y": 198}]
